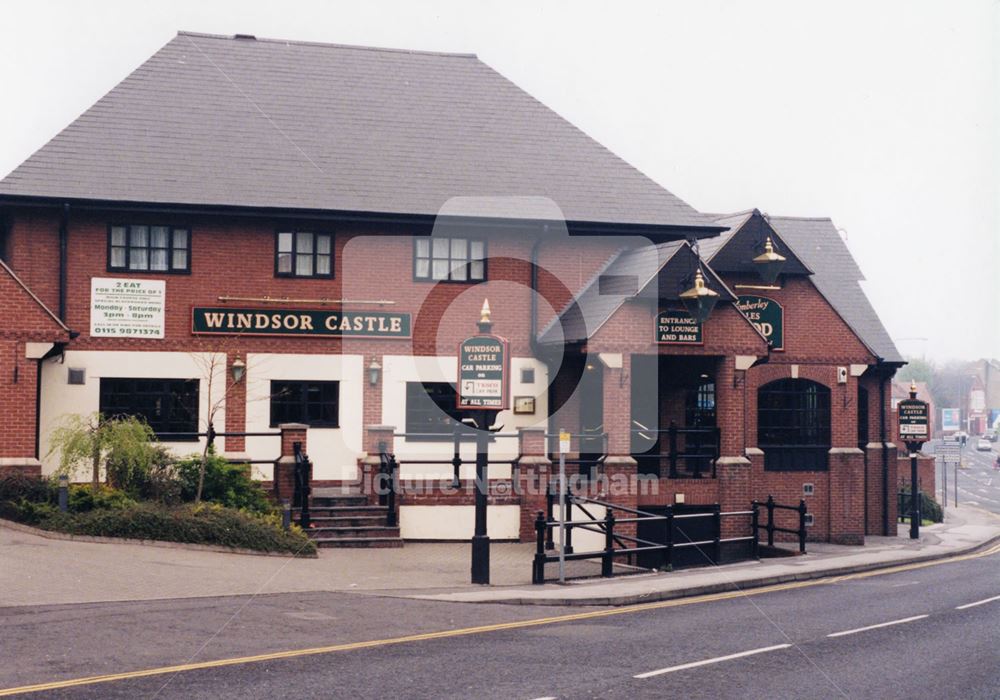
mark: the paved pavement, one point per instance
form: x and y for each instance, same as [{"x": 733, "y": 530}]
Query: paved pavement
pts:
[{"x": 41, "y": 571}]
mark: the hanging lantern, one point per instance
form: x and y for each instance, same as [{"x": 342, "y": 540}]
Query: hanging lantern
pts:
[
  {"x": 769, "y": 263},
  {"x": 699, "y": 300}
]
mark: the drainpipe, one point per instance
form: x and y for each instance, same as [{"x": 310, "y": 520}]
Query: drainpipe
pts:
[
  {"x": 63, "y": 256},
  {"x": 885, "y": 450},
  {"x": 533, "y": 286}
]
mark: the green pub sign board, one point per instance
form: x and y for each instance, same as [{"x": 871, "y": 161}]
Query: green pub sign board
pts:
[
  {"x": 299, "y": 322},
  {"x": 676, "y": 327},
  {"x": 767, "y": 316},
  {"x": 914, "y": 421},
  {"x": 482, "y": 373}
]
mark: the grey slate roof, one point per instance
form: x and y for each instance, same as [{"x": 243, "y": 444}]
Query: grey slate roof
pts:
[
  {"x": 733, "y": 249},
  {"x": 837, "y": 277},
  {"x": 598, "y": 302},
  {"x": 212, "y": 120}
]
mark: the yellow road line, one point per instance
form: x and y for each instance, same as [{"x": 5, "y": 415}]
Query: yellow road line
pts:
[{"x": 466, "y": 631}]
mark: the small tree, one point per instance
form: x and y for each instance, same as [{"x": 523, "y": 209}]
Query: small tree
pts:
[
  {"x": 218, "y": 388},
  {"x": 96, "y": 440}
]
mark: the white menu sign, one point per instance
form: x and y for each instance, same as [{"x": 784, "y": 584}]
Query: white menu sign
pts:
[{"x": 126, "y": 308}]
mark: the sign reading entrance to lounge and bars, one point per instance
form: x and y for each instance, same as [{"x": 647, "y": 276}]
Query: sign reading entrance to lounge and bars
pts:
[
  {"x": 482, "y": 373},
  {"x": 126, "y": 308},
  {"x": 767, "y": 316},
  {"x": 301, "y": 322},
  {"x": 914, "y": 421},
  {"x": 676, "y": 327}
]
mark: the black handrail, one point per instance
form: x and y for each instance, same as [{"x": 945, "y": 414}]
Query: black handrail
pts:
[
  {"x": 673, "y": 454},
  {"x": 771, "y": 528},
  {"x": 389, "y": 469},
  {"x": 545, "y": 524},
  {"x": 303, "y": 487}
]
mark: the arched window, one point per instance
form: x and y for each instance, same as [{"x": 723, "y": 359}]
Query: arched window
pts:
[{"x": 793, "y": 425}]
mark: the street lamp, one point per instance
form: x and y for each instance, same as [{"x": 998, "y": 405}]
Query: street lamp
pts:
[
  {"x": 374, "y": 372},
  {"x": 769, "y": 263},
  {"x": 699, "y": 300}
]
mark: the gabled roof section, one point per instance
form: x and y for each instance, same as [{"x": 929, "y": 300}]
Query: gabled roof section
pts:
[
  {"x": 235, "y": 121},
  {"x": 23, "y": 310},
  {"x": 838, "y": 278},
  {"x": 733, "y": 250},
  {"x": 651, "y": 272}
]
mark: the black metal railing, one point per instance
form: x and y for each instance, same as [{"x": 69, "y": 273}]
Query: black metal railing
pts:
[
  {"x": 691, "y": 453},
  {"x": 770, "y": 527},
  {"x": 389, "y": 471},
  {"x": 620, "y": 544},
  {"x": 303, "y": 484},
  {"x": 461, "y": 434},
  {"x": 211, "y": 433}
]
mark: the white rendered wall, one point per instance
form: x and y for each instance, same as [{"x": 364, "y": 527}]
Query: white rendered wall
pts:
[
  {"x": 59, "y": 398},
  {"x": 334, "y": 452},
  {"x": 457, "y": 522}
]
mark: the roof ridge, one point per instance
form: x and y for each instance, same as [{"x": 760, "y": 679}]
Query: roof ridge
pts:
[
  {"x": 324, "y": 44},
  {"x": 800, "y": 218}
]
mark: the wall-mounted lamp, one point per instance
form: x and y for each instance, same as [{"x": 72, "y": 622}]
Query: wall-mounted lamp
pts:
[
  {"x": 374, "y": 372},
  {"x": 768, "y": 264},
  {"x": 239, "y": 369},
  {"x": 699, "y": 300}
]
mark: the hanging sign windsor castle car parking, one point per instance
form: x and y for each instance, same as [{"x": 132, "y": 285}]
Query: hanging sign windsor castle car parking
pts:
[{"x": 482, "y": 369}]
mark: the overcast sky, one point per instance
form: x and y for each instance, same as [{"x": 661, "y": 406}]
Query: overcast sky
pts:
[{"x": 882, "y": 115}]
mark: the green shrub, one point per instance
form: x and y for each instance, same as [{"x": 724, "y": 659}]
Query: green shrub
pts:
[
  {"x": 226, "y": 484},
  {"x": 15, "y": 487},
  {"x": 84, "y": 498},
  {"x": 203, "y": 524},
  {"x": 929, "y": 508}
]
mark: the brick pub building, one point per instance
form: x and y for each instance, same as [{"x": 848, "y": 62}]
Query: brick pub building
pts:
[{"x": 330, "y": 219}]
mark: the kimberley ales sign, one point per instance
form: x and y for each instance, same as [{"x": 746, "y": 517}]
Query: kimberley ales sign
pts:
[
  {"x": 307, "y": 322},
  {"x": 768, "y": 317}
]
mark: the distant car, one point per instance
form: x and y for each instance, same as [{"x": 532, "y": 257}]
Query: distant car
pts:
[{"x": 983, "y": 444}]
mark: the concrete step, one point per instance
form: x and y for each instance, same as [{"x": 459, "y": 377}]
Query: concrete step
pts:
[
  {"x": 337, "y": 501},
  {"x": 349, "y": 520},
  {"x": 359, "y": 542},
  {"x": 341, "y": 511},
  {"x": 364, "y": 531}
]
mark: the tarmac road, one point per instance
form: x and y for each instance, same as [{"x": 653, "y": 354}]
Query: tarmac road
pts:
[
  {"x": 936, "y": 640},
  {"x": 978, "y": 481}
]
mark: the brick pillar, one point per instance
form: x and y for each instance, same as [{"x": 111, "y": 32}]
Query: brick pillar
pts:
[
  {"x": 284, "y": 467},
  {"x": 379, "y": 438},
  {"x": 847, "y": 483},
  {"x": 236, "y": 409},
  {"x": 893, "y": 481},
  {"x": 733, "y": 475},
  {"x": 729, "y": 389},
  {"x": 618, "y": 408},
  {"x": 873, "y": 475},
  {"x": 532, "y": 478}
]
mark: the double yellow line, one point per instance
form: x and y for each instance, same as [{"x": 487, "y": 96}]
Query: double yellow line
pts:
[{"x": 467, "y": 631}]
